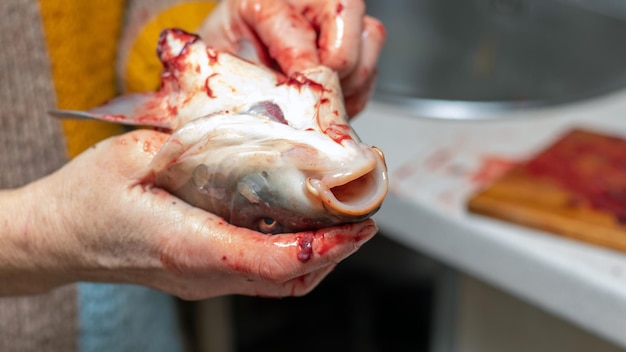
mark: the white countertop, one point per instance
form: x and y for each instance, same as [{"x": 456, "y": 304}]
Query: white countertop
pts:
[{"x": 433, "y": 166}]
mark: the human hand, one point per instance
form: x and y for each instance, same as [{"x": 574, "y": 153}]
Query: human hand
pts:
[
  {"x": 297, "y": 34},
  {"x": 98, "y": 219}
]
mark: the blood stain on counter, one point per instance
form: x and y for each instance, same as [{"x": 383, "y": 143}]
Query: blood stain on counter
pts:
[{"x": 491, "y": 168}]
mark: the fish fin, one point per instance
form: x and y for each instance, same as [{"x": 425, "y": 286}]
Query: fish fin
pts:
[
  {"x": 170, "y": 151},
  {"x": 179, "y": 143},
  {"x": 133, "y": 109}
]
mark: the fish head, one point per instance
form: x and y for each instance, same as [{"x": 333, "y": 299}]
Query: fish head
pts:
[
  {"x": 263, "y": 151},
  {"x": 265, "y": 175},
  {"x": 290, "y": 162}
]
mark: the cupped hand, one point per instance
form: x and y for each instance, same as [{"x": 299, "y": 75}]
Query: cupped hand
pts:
[
  {"x": 297, "y": 34},
  {"x": 117, "y": 227}
]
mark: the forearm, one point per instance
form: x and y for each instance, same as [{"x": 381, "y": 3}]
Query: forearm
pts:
[{"x": 31, "y": 257}]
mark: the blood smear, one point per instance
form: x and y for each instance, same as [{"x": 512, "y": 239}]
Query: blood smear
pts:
[{"x": 491, "y": 168}]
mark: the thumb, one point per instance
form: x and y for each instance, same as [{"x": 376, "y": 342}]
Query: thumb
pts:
[{"x": 128, "y": 155}]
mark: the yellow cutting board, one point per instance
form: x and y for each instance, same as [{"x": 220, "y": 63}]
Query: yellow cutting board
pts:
[{"x": 576, "y": 188}]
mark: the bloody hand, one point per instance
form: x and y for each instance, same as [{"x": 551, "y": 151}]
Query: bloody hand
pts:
[
  {"x": 99, "y": 219},
  {"x": 296, "y": 34}
]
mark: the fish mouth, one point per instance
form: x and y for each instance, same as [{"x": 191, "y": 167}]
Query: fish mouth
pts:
[{"x": 357, "y": 194}]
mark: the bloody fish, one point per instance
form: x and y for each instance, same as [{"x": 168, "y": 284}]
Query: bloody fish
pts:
[{"x": 265, "y": 152}]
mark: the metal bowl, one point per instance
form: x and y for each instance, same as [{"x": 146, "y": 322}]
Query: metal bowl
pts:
[{"x": 477, "y": 58}]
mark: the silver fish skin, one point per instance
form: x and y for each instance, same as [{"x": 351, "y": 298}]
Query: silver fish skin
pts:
[{"x": 265, "y": 152}]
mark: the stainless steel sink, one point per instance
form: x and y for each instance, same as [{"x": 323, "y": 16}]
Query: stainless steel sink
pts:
[{"x": 474, "y": 58}]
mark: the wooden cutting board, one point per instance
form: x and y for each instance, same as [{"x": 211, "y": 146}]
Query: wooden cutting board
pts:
[{"x": 575, "y": 188}]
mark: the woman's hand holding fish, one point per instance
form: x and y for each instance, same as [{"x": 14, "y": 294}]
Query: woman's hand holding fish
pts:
[
  {"x": 298, "y": 34},
  {"x": 97, "y": 220}
]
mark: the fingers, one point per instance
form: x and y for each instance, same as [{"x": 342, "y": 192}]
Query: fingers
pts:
[
  {"x": 133, "y": 148},
  {"x": 359, "y": 83},
  {"x": 293, "y": 264},
  {"x": 339, "y": 23},
  {"x": 289, "y": 37},
  {"x": 357, "y": 100},
  {"x": 373, "y": 38},
  {"x": 221, "y": 29},
  {"x": 350, "y": 43},
  {"x": 304, "y": 252},
  {"x": 299, "y": 34},
  {"x": 298, "y": 286},
  {"x": 247, "y": 262}
]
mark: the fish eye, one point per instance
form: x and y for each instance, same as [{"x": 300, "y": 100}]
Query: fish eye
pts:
[{"x": 268, "y": 225}]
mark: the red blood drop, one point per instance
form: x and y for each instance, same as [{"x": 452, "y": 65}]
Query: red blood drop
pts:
[
  {"x": 338, "y": 132},
  {"x": 339, "y": 9},
  {"x": 212, "y": 55},
  {"x": 207, "y": 86},
  {"x": 298, "y": 80},
  {"x": 305, "y": 247}
]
